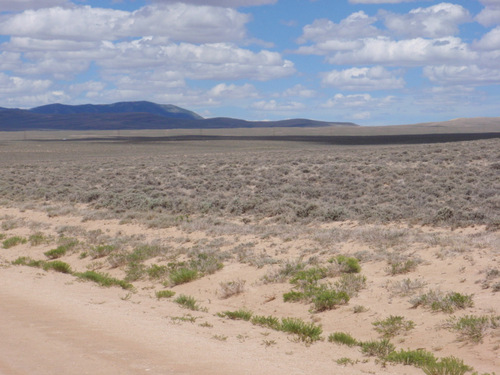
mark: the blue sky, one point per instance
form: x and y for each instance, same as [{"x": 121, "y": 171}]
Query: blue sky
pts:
[{"x": 372, "y": 62}]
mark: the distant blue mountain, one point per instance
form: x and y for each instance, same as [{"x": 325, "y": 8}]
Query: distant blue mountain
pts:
[
  {"x": 168, "y": 110},
  {"x": 132, "y": 116}
]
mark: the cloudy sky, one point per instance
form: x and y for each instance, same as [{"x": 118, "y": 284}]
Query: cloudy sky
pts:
[{"x": 367, "y": 61}]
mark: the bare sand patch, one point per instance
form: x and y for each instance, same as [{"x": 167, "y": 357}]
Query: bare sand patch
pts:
[{"x": 55, "y": 323}]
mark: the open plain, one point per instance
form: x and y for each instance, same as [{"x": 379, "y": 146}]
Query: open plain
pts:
[{"x": 246, "y": 253}]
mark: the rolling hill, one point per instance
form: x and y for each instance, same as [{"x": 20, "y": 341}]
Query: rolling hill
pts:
[{"x": 131, "y": 116}]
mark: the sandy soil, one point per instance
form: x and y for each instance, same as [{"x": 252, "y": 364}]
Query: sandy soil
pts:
[{"x": 53, "y": 323}]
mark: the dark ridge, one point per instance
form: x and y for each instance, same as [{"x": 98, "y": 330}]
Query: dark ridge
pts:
[
  {"x": 168, "y": 111},
  {"x": 22, "y": 120},
  {"x": 329, "y": 140}
]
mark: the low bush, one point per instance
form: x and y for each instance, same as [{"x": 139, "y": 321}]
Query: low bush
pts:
[
  {"x": 328, "y": 299},
  {"x": 188, "y": 302},
  {"x": 307, "y": 332},
  {"x": 156, "y": 271},
  {"x": 445, "y": 302},
  {"x": 350, "y": 284},
  {"x": 13, "y": 241},
  {"x": 266, "y": 321},
  {"x": 294, "y": 296},
  {"x": 57, "y": 266},
  {"x": 401, "y": 267},
  {"x": 241, "y": 314},
  {"x": 473, "y": 328},
  {"x": 343, "y": 338},
  {"x": 417, "y": 358},
  {"x": 101, "y": 251},
  {"x": 164, "y": 294},
  {"x": 37, "y": 238},
  {"x": 183, "y": 275},
  {"x": 379, "y": 349},
  {"x": 58, "y": 252},
  {"x": 231, "y": 288},
  {"x": 103, "y": 279},
  {"x": 346, "y": 264},
  {"x": 446, "y": 366},
  {"x": 27, "y": 261},
  {"x": 393, "y": 325}
]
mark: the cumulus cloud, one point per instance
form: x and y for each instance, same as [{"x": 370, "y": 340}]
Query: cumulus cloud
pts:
[
  {"x": 23, "y": 92},
  {"x": 357, "y": 25},
  {"x": 206, "y": 61},
  {"x": 195, "y": 24},
  {"x": 19, "y": 5},
  {"x": 381, "y": 1},
  {"x": 10, "y": 85},
  {"x": 363, "y": 79},
  {"x": 274, "y": 106},
  {"x": 409, "y": 52},
  {"x": 222, "y": 3},
  {"x": 421, "y": 36},
  {"x": 232, "y": 91},
  {"x": 433, "y": 22},
  {"x": 299, "y": 91},
  {"x": 490, "y": 15},
  {"x": 489, "y": 41},
  {"x": 462, "y": 75},
  {"x": 58, "y": 41},
  {"x": 358, "y": 101}
]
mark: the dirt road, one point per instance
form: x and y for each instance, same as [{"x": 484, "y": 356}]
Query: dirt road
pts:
[{"x": 49, "y": 325}]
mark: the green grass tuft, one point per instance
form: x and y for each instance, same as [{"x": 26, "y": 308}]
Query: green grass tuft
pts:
[
  {"x": 57, "y": 266},
  {"x": 13, "y": 241},
  {"x": 164, "y": 294},
  {"x": 187, "y": 302},
  {"x": 343, "y": 338},
  {"x": 241, "y": 314},
  {"x": 183, "y": 275},
  {"x": 393, "y": 325},
  {"x": 446, "y": 366},
  {"x": 103, "y": 279}
]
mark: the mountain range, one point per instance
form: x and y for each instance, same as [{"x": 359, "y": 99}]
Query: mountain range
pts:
[{"x": 132, "y": 116}]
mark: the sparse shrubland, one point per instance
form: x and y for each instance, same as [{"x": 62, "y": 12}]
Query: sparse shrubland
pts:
[
  {"x": 331, "y": 184},
  {"x": 342, "y": 239}
]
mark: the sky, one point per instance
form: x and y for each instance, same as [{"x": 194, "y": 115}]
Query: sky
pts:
[{"x": 372, "y": 62}]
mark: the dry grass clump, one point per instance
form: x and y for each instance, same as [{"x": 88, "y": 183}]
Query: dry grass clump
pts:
[
  {"x": 473, "y": 328},
  {"x": 405, "y": 287},
  {"x": 231, "y": 288},
  {"x": 448, "y": 302}
]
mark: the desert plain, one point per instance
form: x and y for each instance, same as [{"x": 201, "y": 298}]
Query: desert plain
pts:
[{"x": 126, "y": 253}]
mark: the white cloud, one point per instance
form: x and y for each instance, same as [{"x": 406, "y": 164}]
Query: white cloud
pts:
[
  {"x": 223, "y": 90},
  {"x": 490, "y": 15},
  {"x": 381, "y": 1},
  {"x": 195, "y": 24},
  {"x": 223, "y": 3},
  {"x": 27, "y": 44},
  {"x": 274, "y": 106},
  {"x": 364, "y": 79},
  {"x": 207, "y": 61},
  {"x": 361, "y": 115},
  {"x": 357, "y": 101},
  {"x": 22, "y": 92},
  {"x": 410, "y": 52},
  {"x": 433, "y": 22},
  {"x": 462, "y": 75},
  {"x": 299, "y": 91},
  {"x": 19, "y": 5},
  {"x": 11, "y": 85},
  {"x": 489, "y": 41},
  {"x": 9, "y": 60},
  {"x": 357, "y": 25}
]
